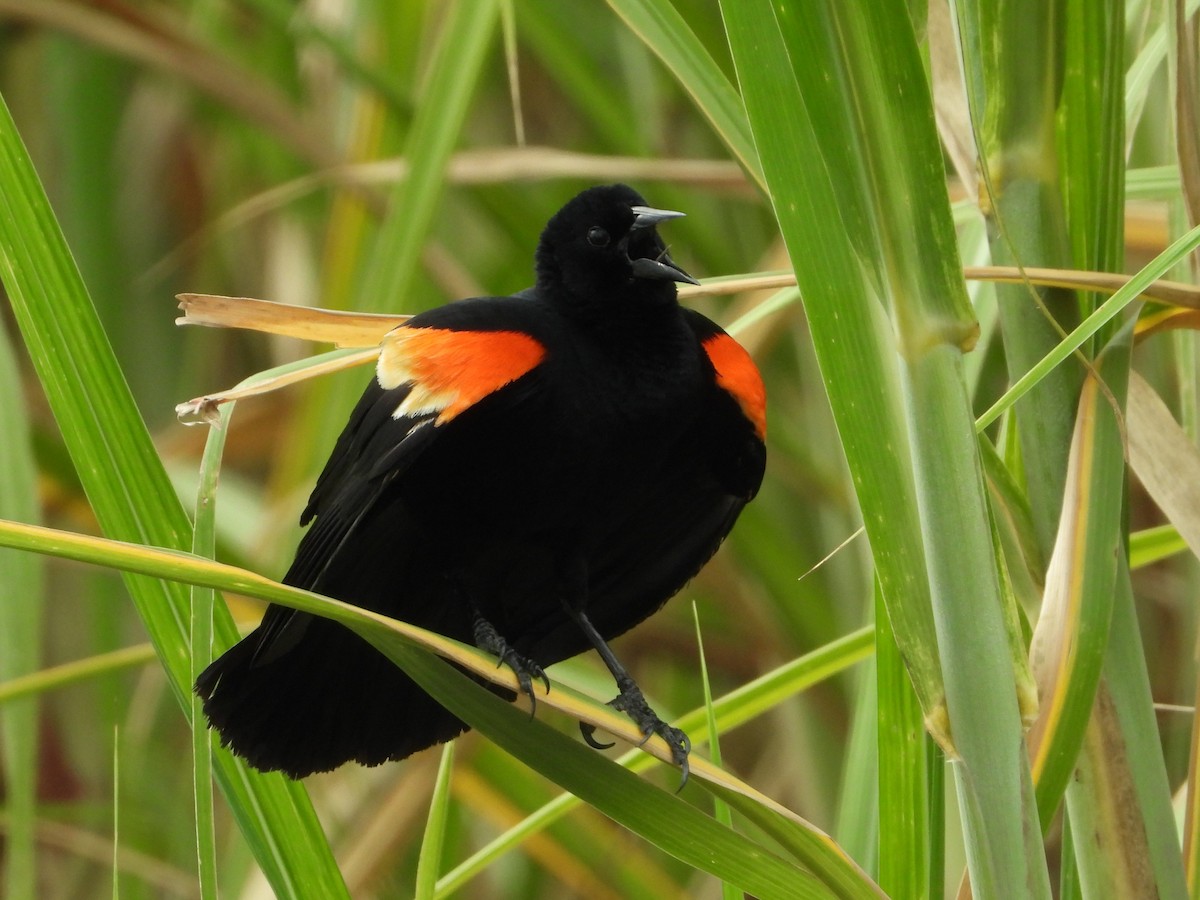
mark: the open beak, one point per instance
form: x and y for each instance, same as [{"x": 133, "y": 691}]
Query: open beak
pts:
[
  {"x": 647, "y": 216},
  {"x": 662, "y": 268}
]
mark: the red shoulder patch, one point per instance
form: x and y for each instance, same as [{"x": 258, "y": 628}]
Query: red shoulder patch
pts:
[
  {"x": 737, "y": 374},
  {"x": 450, "y": 371}
]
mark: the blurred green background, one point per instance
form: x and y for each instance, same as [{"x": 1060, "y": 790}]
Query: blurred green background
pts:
[{"x": 261, "y": 148}]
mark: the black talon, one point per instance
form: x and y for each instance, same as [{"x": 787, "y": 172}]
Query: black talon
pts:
[
  {"x": 681, "y": 747},
  {"x": 676, "y": 738},
  {"x": 588, "y": 730},
  {"x": 684, "y": 772},
  {"x": 487, "y": 638},
  {"x": 633, "y": 703}
]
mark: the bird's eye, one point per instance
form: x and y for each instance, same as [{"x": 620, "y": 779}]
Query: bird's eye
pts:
[{"x": 597, "y": 236}]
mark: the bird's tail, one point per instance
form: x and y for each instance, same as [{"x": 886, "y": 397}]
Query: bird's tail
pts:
[{"x": 329, "y": 698}]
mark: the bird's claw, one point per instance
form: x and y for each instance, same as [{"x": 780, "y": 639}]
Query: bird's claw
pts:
[
  {"x": 631, "y": 702},
  {"x": 588, "y": 731},
  {"x": 526, "y": 669}
]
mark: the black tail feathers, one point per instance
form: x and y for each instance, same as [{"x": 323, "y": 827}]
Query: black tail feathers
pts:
[{"x": 329, "y": 699}]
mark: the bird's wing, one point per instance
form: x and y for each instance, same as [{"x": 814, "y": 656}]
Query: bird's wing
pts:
[
  {"x": 736, "y": 377},
  {"x": 430, "y": 370}
]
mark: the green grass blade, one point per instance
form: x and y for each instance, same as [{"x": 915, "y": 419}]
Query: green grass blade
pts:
[
  {"x": 852, "y": 339},
  {"x": 843, "y": 90},
  {"x": 1153, "y": 544},
  {"x": 21, "y": 598},
  {"x": 660, "y": 817},
  {"x": 116, "y": 814},
  {"x": 130, "y": 493},
  {"x": 462, "y": 48},
  {"x": 54, "y": 677},
  {"x": 1012, "y": 56},
  {"x": 1092, "y": 137},
  {"x": 1123, "y": 799},
  {"x": 667, "y": 34},
  {"x": 736, "y": 708},
  {"x": 817, "y": 850},
  {"x": 903, "y": 796},
  {"x": 992, "y": 775},
  {"x": 1073, "y": 627},
  {"x": 204, "y": 543},
  {"x": 858, "y": 815},
  {"x": 721, "y": 810},
  {"x": 430, "y": 860},
  {"x": 1105, "y": 313}
]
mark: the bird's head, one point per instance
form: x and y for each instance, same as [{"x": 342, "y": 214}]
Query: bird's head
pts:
[{"x": 603, "y": 248}]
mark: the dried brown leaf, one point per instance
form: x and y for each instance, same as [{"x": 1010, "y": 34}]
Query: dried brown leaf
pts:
[{"x": 344, "y": 329}]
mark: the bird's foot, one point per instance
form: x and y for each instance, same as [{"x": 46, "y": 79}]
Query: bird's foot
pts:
[
  {"x": 633, "y": 703},
  {"x": 488, "y": 639}
]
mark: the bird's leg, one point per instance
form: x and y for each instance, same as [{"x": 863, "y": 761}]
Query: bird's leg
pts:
[
  {"x": 630, "y": 700},
  {"x": 488, "y": 639}
]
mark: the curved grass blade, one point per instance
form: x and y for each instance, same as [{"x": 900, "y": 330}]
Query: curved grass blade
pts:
[
  {"x": 1071, "y": 636},
  {"x": 667, "y": 34},
  {"x": 738, "y": 707},
  {"x": 131, "y": 495},
  {"x": 660, "y": 817}
]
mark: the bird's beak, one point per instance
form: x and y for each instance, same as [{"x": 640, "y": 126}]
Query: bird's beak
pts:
[
  {"x": 646, "y": 216},
  {"x": 663, "y": 268}
]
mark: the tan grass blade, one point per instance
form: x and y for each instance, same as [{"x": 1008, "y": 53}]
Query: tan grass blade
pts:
[
  {"x": 1173, "y": 292},
  {"x": 1168, "y": 320},
  {"x": 203, "y": 410},
  {"x": 1164, "y": 459},
  {"x": 344, "y": 329},
  {"x": 367, "y": 330},
  {"x": 349, "y": 329}
]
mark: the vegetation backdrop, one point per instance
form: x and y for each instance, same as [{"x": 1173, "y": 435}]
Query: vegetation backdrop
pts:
[{"x": 987, "y": 689}]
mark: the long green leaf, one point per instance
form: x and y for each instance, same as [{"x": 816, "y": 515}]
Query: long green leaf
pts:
[
  {"x": 1125, "y": 796},
  {"x": 661, "y": 818},
  {"x": 841, "y": 87},
  {"x": 454, "y": 71},
  {"x": 903, "y": 798},
  {"x": 851, "y": 336},
  {"x": 663, "y": 30},
  {"x": 1105, "y": 313},
  {"x": 430, "y": 861},
  {"x": 656, "y": 815},
  {"x": 20, "y": 632},
  {"x": 1012, "y": 55},
  {"x": 204, "y": 543},
  {"x": 738, "y": 707},
  {"x": 130, "y": 493},
  {"x": 1072, "y": 630}
]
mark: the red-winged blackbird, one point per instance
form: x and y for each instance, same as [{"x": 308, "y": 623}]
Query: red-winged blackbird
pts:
[{"x": 535, "y": 474}]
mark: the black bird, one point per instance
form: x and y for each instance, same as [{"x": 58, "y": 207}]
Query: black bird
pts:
[{"x": 535, "y": 474}]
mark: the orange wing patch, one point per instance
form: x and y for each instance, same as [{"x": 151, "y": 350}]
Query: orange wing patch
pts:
[
  {"x": 451, "y": 371},
  {"x": 738, "y": 375}
]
